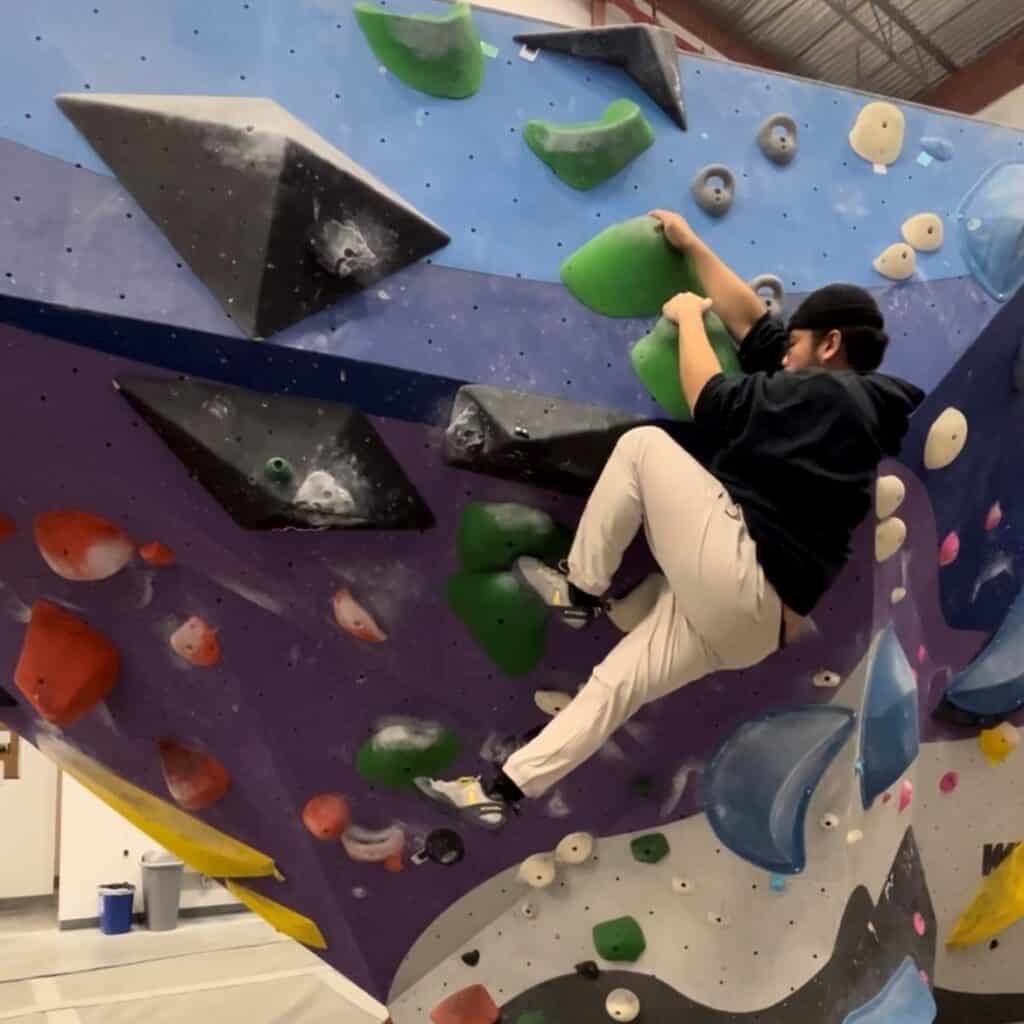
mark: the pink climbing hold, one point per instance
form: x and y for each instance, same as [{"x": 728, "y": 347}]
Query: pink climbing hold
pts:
[
  {"x": 950, "y": 549},
  {"x": 949, "y": 782},
  {"x": 994, "y": 517},
  {"x": 919, "y": 926},
  {"x": 906, "y": 794},
  {"x": 922, "y": 654},
  {"x": 355, "y": 619},
  {"x": 196, "y": 641},
  {"x": 925, "y": 978}
]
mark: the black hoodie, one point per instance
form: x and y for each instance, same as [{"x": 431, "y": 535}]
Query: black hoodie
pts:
[{"x": 798, "y": 452}]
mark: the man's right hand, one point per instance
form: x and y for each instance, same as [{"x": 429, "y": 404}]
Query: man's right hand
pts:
[{"x": 677, "y": 231}]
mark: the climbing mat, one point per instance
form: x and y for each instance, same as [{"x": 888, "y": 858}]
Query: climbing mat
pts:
[{"x": 315, "y": 319}]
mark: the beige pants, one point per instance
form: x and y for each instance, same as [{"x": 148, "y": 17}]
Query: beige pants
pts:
[{"x": 716, "y": 610}]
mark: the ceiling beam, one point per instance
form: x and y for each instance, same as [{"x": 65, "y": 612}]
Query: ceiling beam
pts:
[
  {"x": 929, "y": 46},
  {"x": 986, "y": 79}
]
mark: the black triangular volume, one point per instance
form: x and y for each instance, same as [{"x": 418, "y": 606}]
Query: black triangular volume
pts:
[
  {"x": 6, "y": 700},
  {"x": 547, "y": 442},
  {"x": 647, "y": 53},
  {"x": 276, "y": 462},
  {"x": 275, "y": 221},
  {"x": 946, "y": 711}
]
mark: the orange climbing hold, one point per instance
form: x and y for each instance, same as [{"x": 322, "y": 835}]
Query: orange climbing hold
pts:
[
  {"x": 196, "y": 641},
  {"x": 472, "y": 1005},
  {"x": 355, "y": 619},
  {"x": 66, "y": 667},
  {"x": 195, "y": 780},
  {"x": 80, "y": 546},
  {"x": 8, "y": 528},
  {"x": 155, "y": 553},
  {"x": 394, "y": 863},
  {"x": 327, "y": 815}
]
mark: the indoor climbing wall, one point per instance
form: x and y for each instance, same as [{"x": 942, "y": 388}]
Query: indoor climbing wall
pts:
[{"x": 315, "y": 316}]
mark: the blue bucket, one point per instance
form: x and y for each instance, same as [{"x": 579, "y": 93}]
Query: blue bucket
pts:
[{"x": 116, "y": 903}]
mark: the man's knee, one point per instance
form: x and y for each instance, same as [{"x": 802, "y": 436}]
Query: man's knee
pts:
[{"x": 635, "y": 442}]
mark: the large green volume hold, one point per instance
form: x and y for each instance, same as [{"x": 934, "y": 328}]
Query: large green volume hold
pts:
[
  {"x": 437, "y": 54},
  {"x": 586, "y": 154},
  {"x": 655, "y": 359},
  {"x": 492, "y": 535},
  {"x": 400, "y": 751},
  {"x": 629, "y": 270}
]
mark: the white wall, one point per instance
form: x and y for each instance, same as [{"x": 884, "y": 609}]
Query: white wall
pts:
[
  {"x": 563, "y": 12},
  {"x": 1008, "y": 110},
  {"x": 28, "y": 827},
  {"x": 98, "y": 846}
]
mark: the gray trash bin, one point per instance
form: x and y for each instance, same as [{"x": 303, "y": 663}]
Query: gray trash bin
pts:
[{"x": 161, "y": 889}]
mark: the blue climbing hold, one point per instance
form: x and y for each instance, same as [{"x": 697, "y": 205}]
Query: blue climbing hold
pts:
[
  {"x": 890, "y": 736},
  {"x": 991, "y": 220},
  {"x": 938, "y": 149},
  {"x": 905, "y": 999},
  {"x": 761, "y": 780},
  {"x": 778, "y": 883},
  {"x": 993, "y": 684}
]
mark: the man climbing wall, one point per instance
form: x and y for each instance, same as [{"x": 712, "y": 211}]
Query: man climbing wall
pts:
[{"x": 747, "y": 547}]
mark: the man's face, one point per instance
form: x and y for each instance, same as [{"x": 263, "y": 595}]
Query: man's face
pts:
[{"x": 802, "y": 353}]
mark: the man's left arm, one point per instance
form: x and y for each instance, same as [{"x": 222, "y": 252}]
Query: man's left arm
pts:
[{"x": 697, "y": 360}]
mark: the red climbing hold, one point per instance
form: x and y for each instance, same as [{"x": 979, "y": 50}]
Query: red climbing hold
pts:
[
  {"x": 950, "y": 549},
  {"x": 355, "y": 619},
  {"x": 906, "y": 794},
  {"x": 327, "y": 815},
  {"x": 472, "y": 1005},
  {"x": 80, "y": 546},
  {"x": 196, "y": 641},
  {"x": 994, "y": 517},
  {"x": 919, "y": 924},
  {"x": 949, "y": 782},
  {"x": 155, "y": 553},
  {"x": 8, "y": 528},
  {"x": 66, "y": 667},
  {"x": 394, "y": 863},
  {"x": 195, "y": 780}
]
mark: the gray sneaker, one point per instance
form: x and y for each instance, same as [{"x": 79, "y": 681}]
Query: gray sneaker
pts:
[{"x": 552, "y": 586}]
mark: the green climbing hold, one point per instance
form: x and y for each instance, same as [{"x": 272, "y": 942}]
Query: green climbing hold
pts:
[
  {"x": 586, "y": 154},
  {"x": 531, "y": 1017},
  {"x": 655, "y": 359},
  {"x": 642, "y": 785},
  {"x": 649, "y": 849},
  {"x": 493, "y": 535},
  {"x": 278, "y": 470},
  {"x": 619, "y": 939},
  {"x": 505, "y": 617},
  {"x": 403, "y": 748},
  {"x": 437, "y": 54},
  {"x": 629, "y": 270}
]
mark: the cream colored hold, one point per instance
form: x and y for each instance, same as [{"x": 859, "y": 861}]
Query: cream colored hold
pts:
[
  {"x": 946, "y": 439},
  {"x": 575, "y": 848},
  {"x": 538, "y": 871},
  {"x": 889, "y": 538},
  {"x": 551, "y": 702},
  {"x": 897, "y": 263},
  {"x": 622, "y": 1004},
  {"x": 889, "y": 494},
  {"x": 877, "y": 134},
  {"x": 924, "y": 231}
]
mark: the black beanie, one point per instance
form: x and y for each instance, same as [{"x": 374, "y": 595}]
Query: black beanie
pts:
[{"x": 837, "y": 305}]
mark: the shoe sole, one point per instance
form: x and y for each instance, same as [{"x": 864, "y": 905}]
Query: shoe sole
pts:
[{"x": 470, "y": 814}]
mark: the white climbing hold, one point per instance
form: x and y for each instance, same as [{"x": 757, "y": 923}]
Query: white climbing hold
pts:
[
  {"x": 877, "y": 134},
  {"x": 889, "y": 538},
  {"x": 551, "y": 702},
  {"x": 830, "y": 822},
  {"x": 898, "y": 595},
  {"x": 827, "y": 680},
  {"x": 528, "y": 910},
  {"x": 854, "y": 836},
  {"x": 897, "y": 263},
  {"x": 946, "y": 438},
  {"x": 321, "y": 492},
  {"x": 538, "y": 871},
  {"x": 683, "y": 886},
  {"x": 889, "y": 494},
  {"x": 575, "y": 848},
  {"x": 924, "y": 231},
  {"x": 622, "y": 1004}
]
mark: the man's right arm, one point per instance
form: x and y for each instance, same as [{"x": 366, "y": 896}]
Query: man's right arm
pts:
[{"x": 736, "y": 303}]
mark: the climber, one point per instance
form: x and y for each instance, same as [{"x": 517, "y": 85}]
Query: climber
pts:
[{"x": 748, "y": 545}]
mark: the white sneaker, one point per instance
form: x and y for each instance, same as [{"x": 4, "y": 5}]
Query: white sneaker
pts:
[
  {"x": 552, "y": 586},
  {"x": 465, "y": 797}
]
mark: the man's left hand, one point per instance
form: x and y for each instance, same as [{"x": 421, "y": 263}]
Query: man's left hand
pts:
[{"x": 686, "y": 307}]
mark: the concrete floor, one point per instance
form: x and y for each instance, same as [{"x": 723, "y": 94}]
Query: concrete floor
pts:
[{"x": 223, "y": 969}]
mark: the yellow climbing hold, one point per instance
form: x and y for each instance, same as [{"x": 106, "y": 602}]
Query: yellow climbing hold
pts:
[
  {"x": 287, "y": 921},
  {"x": 999, "y": 743},
  {"x": 206, "y": 849},
  {"x": 998, "y": 903}
]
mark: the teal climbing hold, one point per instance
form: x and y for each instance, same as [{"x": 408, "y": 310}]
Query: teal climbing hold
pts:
[
  {"x": 655, "y": 359},
  {"x": 621, "y": 938},
  {"x": 437, "y": 54},
  {"x": 759, "y": 784},
  {"x": 586, "y": 154},
  {"x": 649, "y": 849},
  {"x": 905, "y": 998},
  {"x": 492, "y": 535}
]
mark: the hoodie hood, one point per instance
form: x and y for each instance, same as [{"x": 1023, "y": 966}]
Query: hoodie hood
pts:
[{"x": 892, "y": 401}]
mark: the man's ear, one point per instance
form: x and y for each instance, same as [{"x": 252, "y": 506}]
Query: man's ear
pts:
[{"x": 830, "y": 345}]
